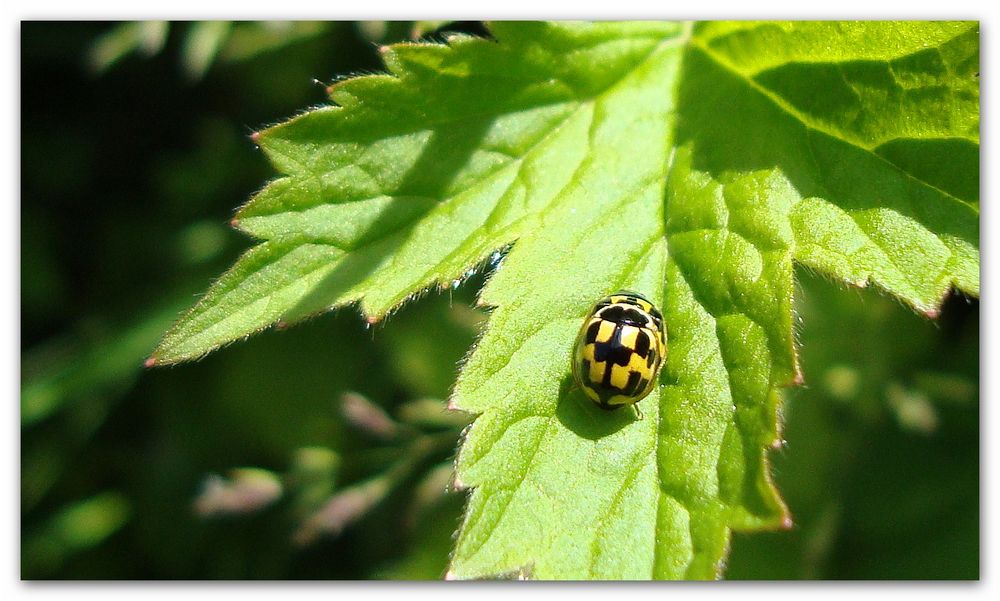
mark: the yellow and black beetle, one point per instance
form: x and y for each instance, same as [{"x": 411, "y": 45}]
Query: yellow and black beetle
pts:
[{"x": 619, "y": 350}]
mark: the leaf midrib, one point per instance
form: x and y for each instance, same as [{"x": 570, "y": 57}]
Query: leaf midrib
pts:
[{"x": 679, "y": 40}]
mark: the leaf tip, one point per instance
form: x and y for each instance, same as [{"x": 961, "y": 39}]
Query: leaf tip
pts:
[
  {"x": 778, "y": 443},
  {"x": 150, "y": 362},
  {"x": 450, "y": 575},
  {"x": 932, "y": 312},
  {"x": 234, "y": 223},
  {"x": 281, "y": 324},
  {"x": 255, "y": 138},
  {"x": 786, "y": 522},
  {"x": 457, "y": 484}
]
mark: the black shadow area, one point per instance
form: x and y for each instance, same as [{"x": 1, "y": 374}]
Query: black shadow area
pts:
[{"x": 584, "y": 418}]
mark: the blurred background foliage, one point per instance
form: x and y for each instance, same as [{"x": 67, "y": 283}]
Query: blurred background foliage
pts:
[{"x": 324, "y": 451}]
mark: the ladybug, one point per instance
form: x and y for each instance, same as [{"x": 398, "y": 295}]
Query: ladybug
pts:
[{"x": 619, "y": 350}]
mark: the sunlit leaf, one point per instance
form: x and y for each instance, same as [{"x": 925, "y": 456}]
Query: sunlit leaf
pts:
[{"x": 692, "y": 163}]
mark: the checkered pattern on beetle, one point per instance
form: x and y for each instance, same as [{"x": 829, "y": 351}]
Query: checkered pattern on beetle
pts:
[{"x": 619, "y": 350}]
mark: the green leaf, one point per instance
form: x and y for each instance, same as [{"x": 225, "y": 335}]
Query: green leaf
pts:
[
  {"x": 54, "y": 378},
  {"x": 693, "y": 163},
  {"x": 80, "y": 526},
  {"x": 146, "y": 37},
  {"x": 202, "y": 44}
]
